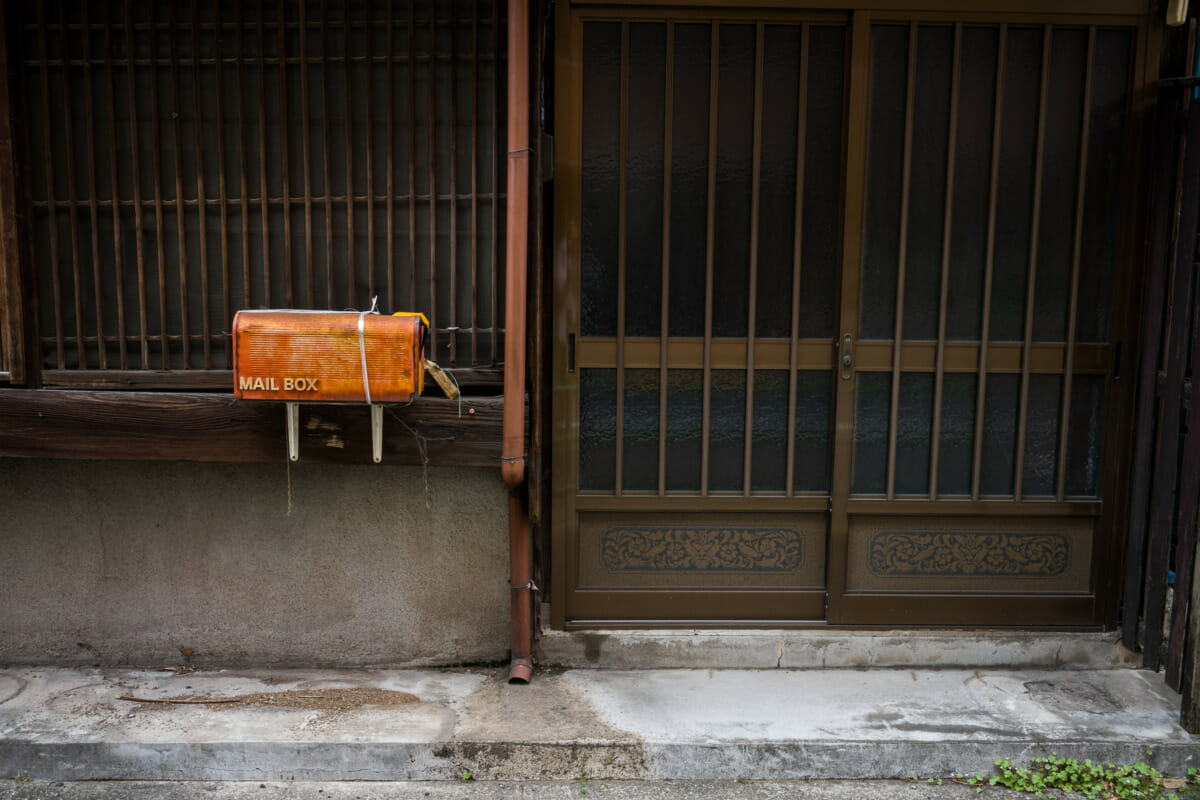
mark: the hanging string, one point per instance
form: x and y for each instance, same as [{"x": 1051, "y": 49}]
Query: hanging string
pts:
[{"x": 362, "y": 344}]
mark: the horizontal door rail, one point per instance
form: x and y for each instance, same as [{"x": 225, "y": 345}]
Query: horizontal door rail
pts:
[{"x": 812, "y": 354}]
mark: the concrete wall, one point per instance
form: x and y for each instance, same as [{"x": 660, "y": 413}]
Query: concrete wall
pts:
[{"x": 127, "y": 562}]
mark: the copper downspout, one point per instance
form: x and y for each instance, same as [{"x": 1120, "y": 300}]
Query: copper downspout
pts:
[{"x": 512, "y": 464}]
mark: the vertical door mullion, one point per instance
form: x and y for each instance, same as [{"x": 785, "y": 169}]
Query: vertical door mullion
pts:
[
  {"x": 797, "y": 258},
  {"x": 943, "y": 298},
  {"x": 1031, "y": 280},
  {"x": 665, "y": 308},
  {"x": 752, "y": 300},
  {"x": 905, "y": 184},
  {"x": 989, "y": 261},
  {"x": 1064, "y": 417},
  {"x": 852, "y": 234},
  {"x": 623, "y": 208},
  {"x": 706, "y": 403}
]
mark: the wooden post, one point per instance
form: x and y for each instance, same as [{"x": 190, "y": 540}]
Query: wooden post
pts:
[{"x": 12, "y": 341}]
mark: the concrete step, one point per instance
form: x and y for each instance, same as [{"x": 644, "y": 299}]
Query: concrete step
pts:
[
  {"x": 822, "y": 648},
  {"x": 441, "y": 725}
]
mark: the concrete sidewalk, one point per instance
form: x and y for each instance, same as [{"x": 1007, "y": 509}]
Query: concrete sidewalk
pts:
[
  {"x": 62, "y": 724},
  {"x": 501, "y": 790}
]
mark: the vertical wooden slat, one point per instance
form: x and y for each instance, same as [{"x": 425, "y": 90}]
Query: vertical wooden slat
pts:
[
  {"x": 412, "y": 158},
  {"x": 201, "y": 203},
  {"x": 797, "y": 258},
  {"x": 665, "y": 307},
  {"x": 326, "y": 115},
  {"x": 1064, "y": 416},
  {"x": 710, "y": 229},
  {"x": 72, "y": 214},
  {"x": 139, "y": 227},
  {"x": 989, "y": 260},
  {"x": 284, "y": 162},
  {"x": 349, "y": 89},
  {"x": 453, "y": 336},
  {"x": 159, "y": 230},
  {"x": 243, "y": 128},
  {"x": 391, "y": 166},
  {"x": 622, "y": 232},
  {"x": 181, "y": 232},
  {"x": 122, "y": 328},
  {"x": 93, "y": 209},
  {"x": 51, "y": 194},
  {"x": 222, "y": 185},
  {"x": 497, "y": 94},
  {"x": 752, "y": 304},
  {"x": 306, "y": 151},
  {"x": 263, "y": 192},
  {"x": 474, "y": 182},
  {"x": 902, "y": 263},
  {"x": 1031, "y": 280},
  {"x": 944, "y": 293},
  {"x": 433, "y": 192},
  {"x": 12, "y": 313},
  {"x": 368, "y": 69}
]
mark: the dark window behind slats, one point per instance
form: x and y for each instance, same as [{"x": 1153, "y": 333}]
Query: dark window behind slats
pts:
[{"x": 191, "y": 159}]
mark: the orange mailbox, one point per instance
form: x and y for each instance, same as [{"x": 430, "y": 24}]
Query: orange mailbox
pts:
[{"x": 329, "y": 356}]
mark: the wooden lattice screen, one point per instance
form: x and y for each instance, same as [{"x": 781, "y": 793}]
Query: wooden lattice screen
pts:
[{"x": 185, "y": 160}]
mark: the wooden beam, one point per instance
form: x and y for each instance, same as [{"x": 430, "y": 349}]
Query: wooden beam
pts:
[
  {"x": 217, "y": 380},
  {"x": 158, "y": 426},
  {"x": 12, "y": 342}
]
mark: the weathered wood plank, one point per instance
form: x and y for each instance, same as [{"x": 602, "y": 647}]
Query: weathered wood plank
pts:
[
  {"x": 217, "y": 380},
  {"x": 1166, "y": 179},
  {"x": 204, "y": 427},
  {"x": 1166, "y": 466}
]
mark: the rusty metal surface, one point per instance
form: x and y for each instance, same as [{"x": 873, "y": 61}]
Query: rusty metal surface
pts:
[{"x": 319, "y": 356}]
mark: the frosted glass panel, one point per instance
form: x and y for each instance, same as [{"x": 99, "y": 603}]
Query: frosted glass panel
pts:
[
  {"x": 956, "y": 446},
  {"x": 914, "y": 427},
  {"x": 727, "y": 430},
  {"x": 814, "y": 418},
  {"x": 768, "y": 468},
  {"x": 640, "y": 430},
  {"x": 685, "y": 397},
  {"x": 689, "y": 180},
  {"x": 644, "y": 180},
  {"x": 597, "y": 429},
  {"x": 601, "y": 177},
  {"x": 872, "y": 400}
]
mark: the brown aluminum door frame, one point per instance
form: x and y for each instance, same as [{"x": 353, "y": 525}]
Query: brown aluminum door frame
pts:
[
  {"x": 847, "y": 609},
  {"x": 1081, "y": 610},
  {"x": 567, "y": 250}
]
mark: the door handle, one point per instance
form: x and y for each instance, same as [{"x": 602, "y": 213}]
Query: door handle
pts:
[{"x": 847, "y": 355}]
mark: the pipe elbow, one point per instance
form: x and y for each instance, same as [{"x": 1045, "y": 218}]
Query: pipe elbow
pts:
[
  {"x": 521, "y": 670},
  {"x": 513, "y": 472}
]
